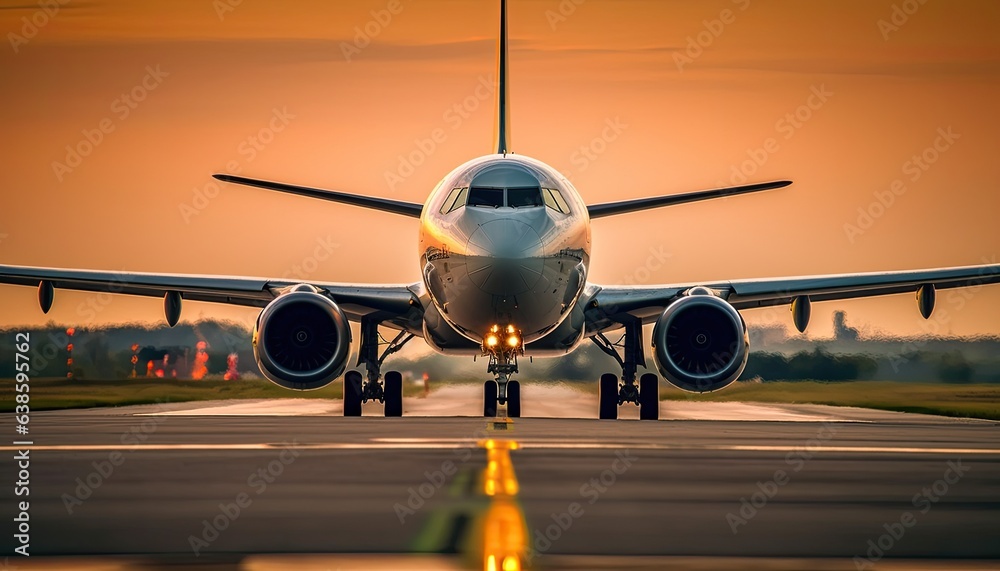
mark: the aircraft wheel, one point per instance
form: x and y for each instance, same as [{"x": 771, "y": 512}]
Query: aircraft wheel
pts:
[
  {"x": 490, "y": 391},
  {"x": 608, "y": 396},
  {"x": 393, "y": 394},
  {"x": 649, "y": 397},
  {"x": 513, "y": 399},
  {"x": 352, "y": 393}
]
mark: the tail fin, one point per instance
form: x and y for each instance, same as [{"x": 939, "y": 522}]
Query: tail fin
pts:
[{"x": 502, "y": 129}]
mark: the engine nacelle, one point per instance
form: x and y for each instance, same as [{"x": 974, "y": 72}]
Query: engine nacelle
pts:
[
  {"x": 700, "y": 342},
  {"x": 302, "y": 340}
]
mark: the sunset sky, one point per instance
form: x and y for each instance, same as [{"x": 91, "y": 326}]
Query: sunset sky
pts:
[{"x": 696, "y": 88}]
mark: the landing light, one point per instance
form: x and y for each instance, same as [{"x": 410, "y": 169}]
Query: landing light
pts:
[{"x": 502, "y": 338}]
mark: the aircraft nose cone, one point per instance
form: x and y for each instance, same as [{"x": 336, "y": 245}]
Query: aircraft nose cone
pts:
[{"x": 505, "y": 257}]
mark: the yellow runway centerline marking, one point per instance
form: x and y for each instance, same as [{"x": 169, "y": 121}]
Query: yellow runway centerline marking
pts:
[
  {"x": 502, "y": 540},
  {"x": 499, "y": 478}
]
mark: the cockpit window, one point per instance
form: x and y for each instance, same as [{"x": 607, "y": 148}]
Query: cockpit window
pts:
[
  {"x": 554, "y": 200},
  {"x": 507, "y": 184},
  {"x": 493, "y": 197},
  {"x": 455, "y": 200},
  {"x": 523, "y": 197},
  {"x": 486, "y": 196}
]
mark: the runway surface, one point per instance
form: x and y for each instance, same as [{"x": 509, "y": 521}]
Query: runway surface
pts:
[{"x": 276, "y": 484}]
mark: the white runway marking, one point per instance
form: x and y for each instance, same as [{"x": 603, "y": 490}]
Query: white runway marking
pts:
[
  {"x": 445, "y": 444},
  {"x": 559, "y": 400}
]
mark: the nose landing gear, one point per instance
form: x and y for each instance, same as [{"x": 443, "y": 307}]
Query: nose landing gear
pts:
[{"x": 502, "y": 345}]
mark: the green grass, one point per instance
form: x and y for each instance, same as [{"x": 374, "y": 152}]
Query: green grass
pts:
[
  {"x": 970, "y": 401},
  {"x": 50, "y": 394}
]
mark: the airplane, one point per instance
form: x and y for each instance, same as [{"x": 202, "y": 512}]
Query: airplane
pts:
[{"x": 504, "y": 254}]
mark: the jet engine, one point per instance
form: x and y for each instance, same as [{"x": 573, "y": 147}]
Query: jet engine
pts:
[
  {"x": 302, "y": 339},
  {"x": 700, "y": 342}
]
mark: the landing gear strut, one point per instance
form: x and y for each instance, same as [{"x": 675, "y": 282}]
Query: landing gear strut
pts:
[
  {"x": 502, "y": 345},
  {"x": 389, "y": 390},
  {"x": 613, "y": 393}
]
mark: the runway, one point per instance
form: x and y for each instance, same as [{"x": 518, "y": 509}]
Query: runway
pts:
[{"x": 250, "y": 486}]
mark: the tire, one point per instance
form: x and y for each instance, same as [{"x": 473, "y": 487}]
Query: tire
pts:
[
  {"x": 352, "y": 393},
  {"x": 490, "y": 391},
  {"x": 393, "y": 394},
  {"x": 608, "y": 397},
  {"x": 513, "y": 399},
  {"x": 649, "y": 397}
]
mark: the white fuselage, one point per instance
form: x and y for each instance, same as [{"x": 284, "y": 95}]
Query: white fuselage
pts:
[{"x": 504, "y": 240}]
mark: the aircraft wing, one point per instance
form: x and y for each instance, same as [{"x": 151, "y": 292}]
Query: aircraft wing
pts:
[
  {"x": 355, "y": 300},
  {"x": 647, "y": 303}
]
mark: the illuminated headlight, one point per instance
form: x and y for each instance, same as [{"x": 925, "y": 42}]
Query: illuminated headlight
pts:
[{"x": 506, "y": 337}]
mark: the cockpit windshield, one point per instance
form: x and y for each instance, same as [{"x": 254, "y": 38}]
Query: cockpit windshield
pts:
[
  {"x": 554, "y": 200},
  {"x": 492, "y": 197},
  {"x": 511, "y": 186},
  {"x": 486, "y": 196},
  {"x": 524, "y": 197}
]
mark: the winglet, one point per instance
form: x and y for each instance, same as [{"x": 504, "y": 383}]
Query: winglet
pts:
[{"x": 502, "y": 130}]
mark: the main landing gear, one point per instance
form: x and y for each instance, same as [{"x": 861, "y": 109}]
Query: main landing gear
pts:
[
  {"x": 502, "y": 345},
  {"x": 388, "y": 390},
  {"x": 614, "y": 393}
]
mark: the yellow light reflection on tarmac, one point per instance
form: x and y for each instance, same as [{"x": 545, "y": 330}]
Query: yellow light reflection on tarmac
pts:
[
  {"x": 499, "y": 478},
  {"x": 502, "y": 534}
]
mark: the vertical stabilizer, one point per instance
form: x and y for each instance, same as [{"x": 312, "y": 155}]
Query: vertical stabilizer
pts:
[{"x": 502, "y": 129}]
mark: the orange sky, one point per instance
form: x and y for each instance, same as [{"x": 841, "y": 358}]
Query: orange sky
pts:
[{"x": 128, "y": 204}]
